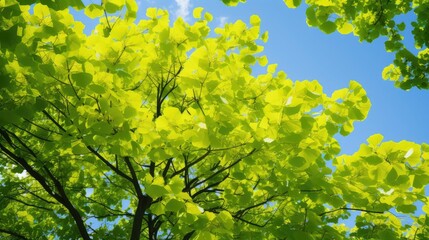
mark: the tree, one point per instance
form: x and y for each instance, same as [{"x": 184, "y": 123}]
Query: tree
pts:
[
  {"x": 369, "y": 20},
  {"x": 160, "y": 131}
]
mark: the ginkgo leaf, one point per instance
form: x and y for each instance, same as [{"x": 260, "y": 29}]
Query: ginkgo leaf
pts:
[
  {"x": 176, "y": 185},
  {"x": 158, "y": 208},
  {"x": 255, "y": 20},
  {"x": 292, "y": 3},
  {"x": 193, "y": 209},
  {"x": 208, "y": 17},
  {"x": 155, "y": 191},
  {"x": 94, "y": 11},
  {"x": 112, "y": 6},
  {"x": 328, "y": 27},
  {"x": 406, "y": 208},
  {"x": 174, "y": 205},
  {"x": 297, "y": 161},
  {"x": 197, "y": 12},
  {"x": 375, "y": 140},
  {"x": 132, "y": 8},
  {"x": 346, "y": 28}
]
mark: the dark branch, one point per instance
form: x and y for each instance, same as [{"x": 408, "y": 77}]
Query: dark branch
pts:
[
  {"x": 61, "y": 196},
  {"x": 351, "y": 209},
  {"x": 225, "y": 168},
  {"x": 115, "y": 169},
  {"x": 28, "y": 204},
  {"x": 167, "y": 167},
  {"x": 143, "y": 204},
  {"x": 241, "y": 212},
  {"x": 12, "y": 233},
  {"x": 187, "y": 166},
  {"x": 53, "y": 120},
  {"x": 207, "y": 189}
]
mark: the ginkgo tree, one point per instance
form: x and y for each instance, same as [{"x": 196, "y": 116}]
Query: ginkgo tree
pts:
[
  {"x": 156, "y": 130},
  {"x": 369, "y": 20}
]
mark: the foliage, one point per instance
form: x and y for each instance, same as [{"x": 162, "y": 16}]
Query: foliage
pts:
[
  {"x": 370, "y": 20},
  {"x": 160, "y": 130}
]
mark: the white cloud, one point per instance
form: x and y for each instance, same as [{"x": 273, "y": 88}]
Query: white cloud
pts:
[
  {"x": 222, "y": 21},
  {"x": 183, "y": 9}
]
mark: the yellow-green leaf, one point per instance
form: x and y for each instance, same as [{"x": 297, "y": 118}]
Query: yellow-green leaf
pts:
[
  {"x": 94, "y": 11},
  {"x": 197, "y": 12}
]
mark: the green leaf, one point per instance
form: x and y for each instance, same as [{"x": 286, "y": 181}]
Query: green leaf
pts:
[
  {"x": 226, "y": 219},
  {"x": 373, "y": 160},
  {"x": 101, "y": 128},
  {"x": 205, "y": 235},
  {"x": 193, "y": 209},
  {"x": 346, "y": 28},
  {"x": 249, "y": 59},
  {"x": 176, "y": 184},
  {"x": 112, "y": 6},
  {"x": 328, "y": 27},
  {"x": 82, "y": 79},
  {"x": 73, "y": 42},
  {"x": 264, "y": 37},
  {"x": 9, "y": 38},
  {"x": 297, "y": 161},
  {"x": 263, "y": 61},
  {"x": 406, "y": 208},
  {"x": 197, "y": 12},
  {"x": 375, "y": 140},
  {"x": 94, "y": 11},
  {"x": 97, "y": 88},
  {"x": 8, "y": 3},
  {"x": 401, "y": 26},
  {"x": 292, "y": 3},
  {"x": 346, "y": 128},
  {"x": 158, "y": 208},
  {"x": 132, "y": 9},
  {"x": 255, "y": 20},
  {"x": 311, "y": 16},
  {"x": 155, "y": 191},
  {"x": 79, "y": 148},
  {"x": 387, "y": 234},
  {"x": 8, "y": 116},
  {"x": 208, "y": 17},
  {"x": 297, "y": 234},
  {"x": 129, "y": 112},
  {"x": 174, "y": 205},
  {"x": 391, "y": 176},
  {"x": 420, "y": 180}
]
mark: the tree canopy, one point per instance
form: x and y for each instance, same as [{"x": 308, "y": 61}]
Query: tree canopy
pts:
[
  {"x": 369, "y": 20},
  {"x": 160, "y": 130}
]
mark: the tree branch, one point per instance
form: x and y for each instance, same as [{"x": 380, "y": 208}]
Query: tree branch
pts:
[
  {"x": 143, "y": 204},
  {"x": 207, "y": 189},
  {"x": 187, "y": 166},
  {"x": 28, "y": 204},
  {"x": 351, "y": 209},
  {"x": 53, "y": 120},
  {"x": 65, "y": 201},
  {"x": 61, "y": 197},
  {"x": 225, "y": 168},
  {"x": 241, "y": 212},
  {"x": 14, "y": 234},
  {"x": 115, "y": 169}
]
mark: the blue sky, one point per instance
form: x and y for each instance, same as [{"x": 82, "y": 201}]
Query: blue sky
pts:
[{"x": 335, "y": 59}]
